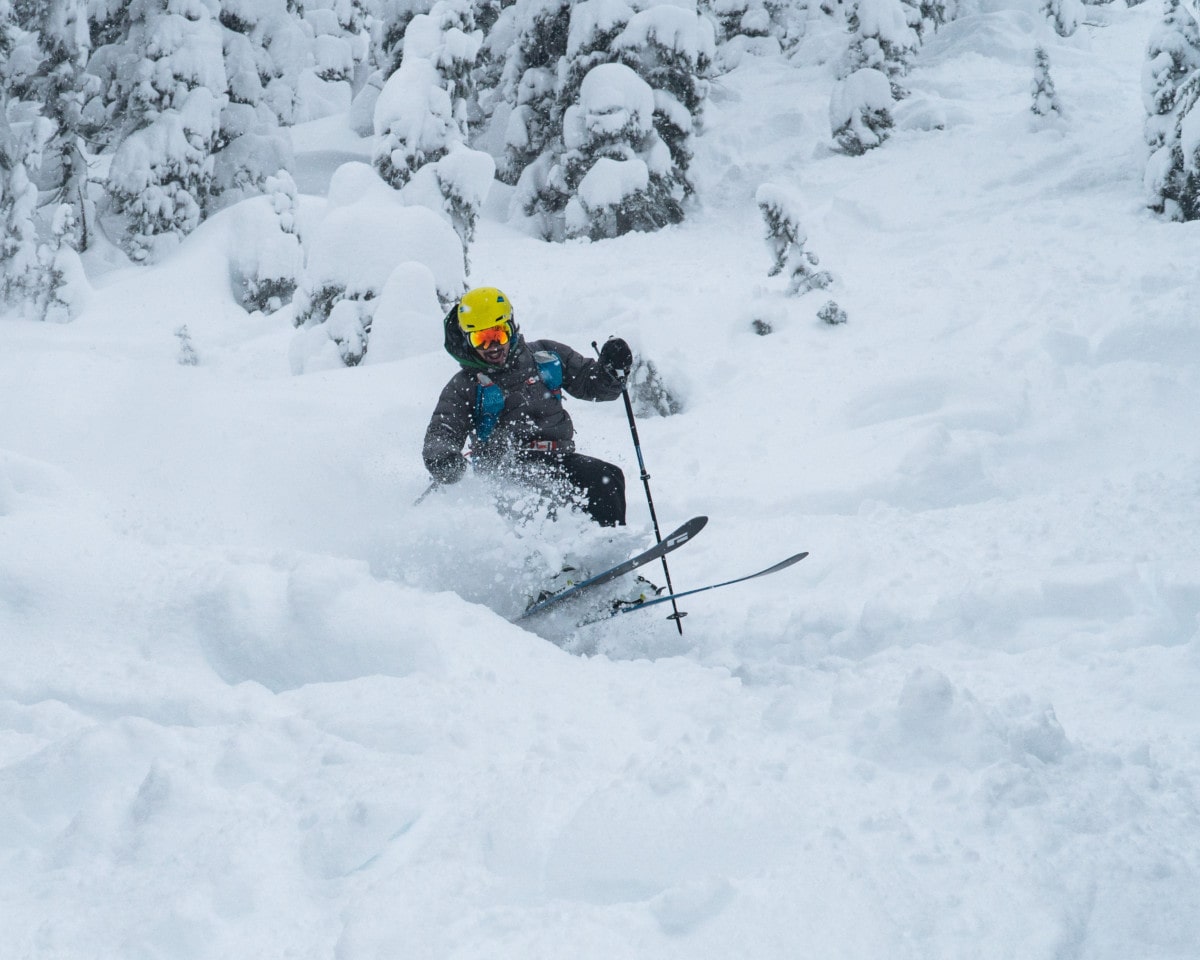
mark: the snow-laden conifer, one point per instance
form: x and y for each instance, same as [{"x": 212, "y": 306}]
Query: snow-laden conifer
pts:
[
  {"x": 650, "y": 393},
  {"x": 63, "y": 286},
  {"x": 63, "y": 87},
  {"x": 860, "y": 111},
  {"x": 367, "y": 232},
  {"x": 831, "y": 313},
  {"x": 268, "y": 257},
  {"x": 187, "y": 350},
  {"x": 422, "y": 110},
  {"x": 22, "y": 278},
  {"x": 618, "y": 168},
  {"x": 539, "y": 84},
  {"x": 392, "y": 18},
  {"x": 1170, "y": 92},
  {"x": 740, "y": 18},
  {"x": 162, "y": 175},
  {"x": 18, "y": 52},
  {"x": 281, "y": 43},
  {"x": 591, "y": 41},
  {"x": 422, "y": 120},
  {"x": 670, "y": 47},
  {"x": 1064, "y": 15},
  {"x": 881, "y": 39},
  {"x": 251, "y": 146},
  {"x": 456, "y": 187},
  {"x": 339, "y": 49},
  {"x": 448, "y": 38},
  {"x": 342, "y": 33},
  {"x": 529, "y": 85},
  {"x": 783, "y": 216},
  {"x": 108, "y": 21},
  {"x": 926, "y": 16},
  {"x": 172, "y": 85},
  {"x": 1045, "y": 98}
]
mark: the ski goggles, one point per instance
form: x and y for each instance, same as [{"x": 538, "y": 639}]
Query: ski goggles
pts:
[{"x": 488, "y": 336}]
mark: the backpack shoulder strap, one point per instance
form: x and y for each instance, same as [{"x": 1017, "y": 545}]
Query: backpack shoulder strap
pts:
[{"x": 489, "y": 404}]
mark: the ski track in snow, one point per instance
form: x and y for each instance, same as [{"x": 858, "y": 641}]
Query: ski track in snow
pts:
[{"x": 255, "y": 705}]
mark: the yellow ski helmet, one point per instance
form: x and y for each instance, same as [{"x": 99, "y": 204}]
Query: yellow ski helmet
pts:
[{"x": 484, "y": 307}]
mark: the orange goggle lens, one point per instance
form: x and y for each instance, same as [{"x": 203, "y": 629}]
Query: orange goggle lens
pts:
[{"x": 486, "y": 337}]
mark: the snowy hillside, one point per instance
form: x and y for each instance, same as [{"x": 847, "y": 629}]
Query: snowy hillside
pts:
[{"x": 254, "y": 704}]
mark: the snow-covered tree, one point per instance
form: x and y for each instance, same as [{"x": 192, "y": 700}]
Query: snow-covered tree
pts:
[
  {"x": 18, "y": 52},
  {"x": 617, "y": 166},
  {"x": 1064, "y": 15},
  {"x": 786, "y": 237},
  {"x": 190, "y": 96},
  {"x": 367, "y": 232},
  {"x": 108, "y": 21},
  {"x": 187, "y": 350},
  {"x": 447, "y": 37},
  {"x": 387, "y": 36},
  {"x": 342, "y": 29},
  {"x": 22, "y": 277},
  {"x": 649, "y": 392},
  {"x": 281, "y": 43},
  {"x": 1170, "y": 91},
  {"x": 881, "y": 39},
  {"x": 740, "y": 18},
  {"x": 831, "y": 313},
  {"x": 421, "y": 112},
  {"x": 926, "y": 16},
  {"x": 63, "y": 284},
  {"x": 591, "y": 41},
  {"x": 338, "y": 56},
  {"x": 268, "y": 257},
  {"x": 1045, "y": 98},
  {"x": 63, "y": 87},
  {"x": 7, "y": 31},
  {"x": 422, "y": 120},
  {"x": 860, "y": 111},
  {"x": 456, "y": 187},
  {"x": 557, "y": 45},
  {"x": 671, "y": 48},
  {"x": 172, "y": 85},
  {"x": 251, "y": 147},
  {"x": 414, "y": 122},
  {"x": 529, "y": 84},
  {"x": 162, "y": 176}
]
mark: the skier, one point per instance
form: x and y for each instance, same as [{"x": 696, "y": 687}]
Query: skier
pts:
[{"x": 507, "y": 399}]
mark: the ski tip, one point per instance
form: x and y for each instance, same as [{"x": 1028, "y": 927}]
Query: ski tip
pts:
[{"x": 794, "y": 558}]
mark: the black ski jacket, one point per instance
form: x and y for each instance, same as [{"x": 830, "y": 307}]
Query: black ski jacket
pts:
[{"x": 532, "y": 412}]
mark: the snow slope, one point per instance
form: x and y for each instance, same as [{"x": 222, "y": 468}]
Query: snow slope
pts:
[{"x": 254, "y": 704}]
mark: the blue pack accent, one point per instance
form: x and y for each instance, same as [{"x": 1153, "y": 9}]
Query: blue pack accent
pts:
[
  {"x": 489, "y": 404},
  {"x": 550, "y": 369}
]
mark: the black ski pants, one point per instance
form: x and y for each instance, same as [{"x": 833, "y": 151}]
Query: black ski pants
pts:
[{"x": 600, "y": 485}]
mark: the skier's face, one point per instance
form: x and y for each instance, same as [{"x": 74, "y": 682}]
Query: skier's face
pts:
[
  {"x": 493, "y": 353},
  {"x": 492, "y": 343}
]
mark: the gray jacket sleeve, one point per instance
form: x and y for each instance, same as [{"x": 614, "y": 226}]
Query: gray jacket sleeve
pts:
[
  {"x": 452, "y": 420},
  {"x": 583, "y": 377}
]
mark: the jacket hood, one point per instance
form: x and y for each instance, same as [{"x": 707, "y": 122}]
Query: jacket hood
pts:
[{"x": 456, "y": 344}]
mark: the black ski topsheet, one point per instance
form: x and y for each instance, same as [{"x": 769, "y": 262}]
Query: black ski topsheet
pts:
[
  {"x": 666, "y": 598},
  {"x": 672, "y": 541}
]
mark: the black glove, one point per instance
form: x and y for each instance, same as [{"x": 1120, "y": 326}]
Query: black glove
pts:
[
  {"x": 616, "y": 358},
  {"x": 448, "y": 469}
]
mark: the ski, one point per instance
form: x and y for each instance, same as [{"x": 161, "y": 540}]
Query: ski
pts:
[
  {"x": 666, "y": 598},
  {"x": 671, "y": 541}
]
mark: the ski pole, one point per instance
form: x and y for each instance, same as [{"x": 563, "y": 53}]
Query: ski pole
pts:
[
  {"x": 428, "y": 490},
  {"x": 637, "y": 446}
]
